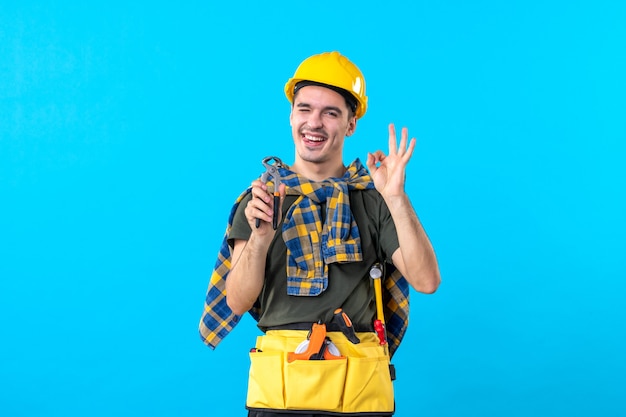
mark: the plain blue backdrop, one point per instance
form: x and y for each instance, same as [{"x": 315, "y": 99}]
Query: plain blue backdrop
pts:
[{"x": 127, "y": 131}]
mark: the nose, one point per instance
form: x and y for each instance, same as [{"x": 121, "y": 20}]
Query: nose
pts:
[{"x": 314, "y": 120}]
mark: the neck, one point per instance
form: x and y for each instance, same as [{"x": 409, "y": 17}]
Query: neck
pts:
[{"x": 318, "y": 171}]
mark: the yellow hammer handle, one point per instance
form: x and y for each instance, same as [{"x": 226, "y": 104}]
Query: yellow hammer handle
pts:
[{"x": 378, "y": 292}]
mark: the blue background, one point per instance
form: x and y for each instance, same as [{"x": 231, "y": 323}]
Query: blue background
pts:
[{"x": 126, "y": 132}]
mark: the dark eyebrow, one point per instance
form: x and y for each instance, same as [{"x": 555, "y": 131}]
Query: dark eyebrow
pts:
[{"x": 333, "y": 108}]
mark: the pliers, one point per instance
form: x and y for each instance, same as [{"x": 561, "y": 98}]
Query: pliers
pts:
[
  {"x": 341, "y": 319},
  {"x": 271, "y": 170}
]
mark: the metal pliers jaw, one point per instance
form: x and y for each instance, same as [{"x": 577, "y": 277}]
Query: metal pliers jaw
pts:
[{"x": 271, "y": 170}]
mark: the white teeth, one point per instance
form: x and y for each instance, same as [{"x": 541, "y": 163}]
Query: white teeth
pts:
[{"x": 313, "y": 138}]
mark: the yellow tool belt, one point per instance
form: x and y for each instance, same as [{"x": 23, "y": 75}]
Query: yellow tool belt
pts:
[{"x": 358, "y": 382}]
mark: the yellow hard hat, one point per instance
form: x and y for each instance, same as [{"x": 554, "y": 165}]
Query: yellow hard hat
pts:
[{"x": 331, "y": 69}]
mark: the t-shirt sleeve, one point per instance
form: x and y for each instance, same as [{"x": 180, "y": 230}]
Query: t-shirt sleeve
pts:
[
  {"x": 388, "y": 234},
  {"x": 240, "y": 228}
]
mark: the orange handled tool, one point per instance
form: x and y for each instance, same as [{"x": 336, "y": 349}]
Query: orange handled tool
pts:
[
  {"x": 316, "y": 347},
  {"x": 345, "y": 325}
]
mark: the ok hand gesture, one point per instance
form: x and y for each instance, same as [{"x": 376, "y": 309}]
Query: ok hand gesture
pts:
[{"x": 389, "y": 171}]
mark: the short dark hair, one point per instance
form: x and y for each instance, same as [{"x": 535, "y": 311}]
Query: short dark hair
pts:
[{"x": 351, "y": 101}]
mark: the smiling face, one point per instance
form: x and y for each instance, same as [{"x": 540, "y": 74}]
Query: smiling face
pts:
[{"x": 320, "y": 121}]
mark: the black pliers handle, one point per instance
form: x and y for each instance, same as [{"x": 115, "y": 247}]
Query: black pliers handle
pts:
[
  {"x": 271, "y": 170},
  {"x": 341, "y": 319}
]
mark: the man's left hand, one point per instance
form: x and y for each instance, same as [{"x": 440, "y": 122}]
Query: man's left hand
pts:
[{"x": 389, "y": 171}]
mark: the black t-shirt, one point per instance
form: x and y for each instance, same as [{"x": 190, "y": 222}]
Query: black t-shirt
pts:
[{"x": 349, "y": 284}]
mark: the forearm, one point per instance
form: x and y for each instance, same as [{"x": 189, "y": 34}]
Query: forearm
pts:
[
  {"x": 247, "y": 274},
  {"x": 415, "y": 258}
]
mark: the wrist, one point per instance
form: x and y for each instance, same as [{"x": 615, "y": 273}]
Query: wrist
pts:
[
  {"x": 397, "y": 201},
  {"x": 259, "y": 243}
]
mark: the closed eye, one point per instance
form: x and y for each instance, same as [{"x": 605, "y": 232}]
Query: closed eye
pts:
[{"x": 303, "y": 107}]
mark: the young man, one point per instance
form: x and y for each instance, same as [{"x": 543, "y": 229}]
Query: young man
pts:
[{"x": 335, "y": 223}]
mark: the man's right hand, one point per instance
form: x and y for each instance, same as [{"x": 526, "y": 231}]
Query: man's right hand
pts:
[{"x": 261, "y": 207}]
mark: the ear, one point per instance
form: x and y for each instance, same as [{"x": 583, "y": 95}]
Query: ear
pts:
[{"x": 351, "y": 126}]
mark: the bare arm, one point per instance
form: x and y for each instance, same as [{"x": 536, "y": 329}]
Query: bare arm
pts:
[
  {"x": 247, "y": 273},
  {"x": 415, "y": 258}
]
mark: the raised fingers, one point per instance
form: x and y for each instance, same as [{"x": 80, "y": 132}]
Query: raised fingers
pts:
[
  {"x": 409, "y": 151},
  {"x": 405, "y": 148},
  {"x": 403, "y": 141},
  {"x": 393, "y": 145}
]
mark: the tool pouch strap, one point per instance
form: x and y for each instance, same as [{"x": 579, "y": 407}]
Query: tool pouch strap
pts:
[{"x": 357, "y": 384}]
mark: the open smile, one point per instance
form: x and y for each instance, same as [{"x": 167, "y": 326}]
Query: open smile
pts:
[{"x": 313, "y": 139}]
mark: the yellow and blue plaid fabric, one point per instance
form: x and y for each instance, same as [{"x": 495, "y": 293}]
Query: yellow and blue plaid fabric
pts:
[{"x": 312, "y": 245}]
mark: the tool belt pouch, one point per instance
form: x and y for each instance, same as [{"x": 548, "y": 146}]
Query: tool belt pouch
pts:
[{"x": 358, "y": 382}]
